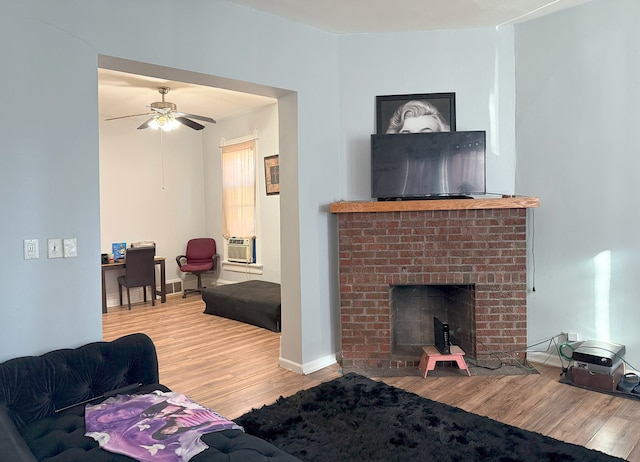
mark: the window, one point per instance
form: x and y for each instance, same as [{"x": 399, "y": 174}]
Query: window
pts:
[{"x": 239, "y": 189}]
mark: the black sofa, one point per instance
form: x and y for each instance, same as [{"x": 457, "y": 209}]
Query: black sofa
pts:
[{"x": 42, "y": 402}]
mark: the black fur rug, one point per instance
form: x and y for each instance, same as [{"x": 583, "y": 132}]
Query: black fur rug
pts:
[{"x": 354, "y": 418}]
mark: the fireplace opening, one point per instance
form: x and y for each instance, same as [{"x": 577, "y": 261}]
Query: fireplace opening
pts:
[{"x": 411, "y": 317}]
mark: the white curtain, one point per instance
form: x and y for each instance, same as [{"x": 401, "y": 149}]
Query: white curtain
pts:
[{"x": 239, "y": 190}]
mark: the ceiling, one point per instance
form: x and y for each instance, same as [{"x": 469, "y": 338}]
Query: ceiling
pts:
[
  {"x": 361, "y": 16},
  {"x": 122, "y": 94}
]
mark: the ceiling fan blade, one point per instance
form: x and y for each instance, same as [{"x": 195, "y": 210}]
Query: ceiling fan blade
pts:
[
  {"x": 127, "y": 116},
  {"x": 189, "y": 123},
  {"x": 194, "y": 116},
  {"x": 145, "y": 124}
]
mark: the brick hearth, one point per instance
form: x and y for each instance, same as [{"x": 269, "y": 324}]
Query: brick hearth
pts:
[{"x": 475, "y": 243}]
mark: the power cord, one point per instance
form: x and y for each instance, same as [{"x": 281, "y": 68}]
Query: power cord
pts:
[
  {"x": 554, "y": 341},
  {"x": 549, "y": 341},
  {"x": 570, "y": 345},
  {"x": 560, "y": 348},
  {"x": 533, "y": 249},
  {"x": 508, "y": 354},
  {"x": 561, "y": 353},
  {"x": 512, "y": 358}
]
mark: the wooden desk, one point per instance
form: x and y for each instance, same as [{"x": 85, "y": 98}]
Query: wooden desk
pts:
[{"x": 122, "y": 264}]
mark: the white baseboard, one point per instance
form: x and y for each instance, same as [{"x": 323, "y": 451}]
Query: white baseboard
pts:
[
  {"x": 223, "y": 282},
  {"x": 552, "y": 356},
  {"x": 113, "y": 298},
  {"x": 310, "y": 367},
  {"x": 136, "y": 297},
  {"x": 548, "y": 359}
]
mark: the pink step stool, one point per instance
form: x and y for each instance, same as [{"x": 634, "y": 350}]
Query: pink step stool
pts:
[{"x": 431, "y": 356}]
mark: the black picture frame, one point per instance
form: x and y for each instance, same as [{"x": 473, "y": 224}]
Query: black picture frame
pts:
[{"x": 386, "y": 105}]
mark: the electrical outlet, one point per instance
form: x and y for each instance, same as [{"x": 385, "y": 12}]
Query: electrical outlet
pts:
[
  {"x": 54, "y": 248},
  {"x": 573, "y": 337},
  {"x": 31, "y": 249}
]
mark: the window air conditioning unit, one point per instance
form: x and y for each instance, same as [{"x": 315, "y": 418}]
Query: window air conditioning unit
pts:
[{"x": 240, "y": 250}]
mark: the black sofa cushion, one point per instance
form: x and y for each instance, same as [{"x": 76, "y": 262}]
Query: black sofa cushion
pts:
[
  {"x": 14, "y": 448},
  {"x": 237, "y": 446},
  {"x": 61, "y": 439}
]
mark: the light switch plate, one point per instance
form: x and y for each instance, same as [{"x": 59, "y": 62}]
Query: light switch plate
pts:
[
  {"x": 31, "y": 249},
  {"x": 70, "y": 247},
  {"x": 54, "y": 248}
]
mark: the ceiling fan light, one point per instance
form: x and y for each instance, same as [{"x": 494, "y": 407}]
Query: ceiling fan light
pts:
[
  {"x": 164, "y": 116},
  {"x": 171, "y": 124},
  {"x": 166, "y": 123}
]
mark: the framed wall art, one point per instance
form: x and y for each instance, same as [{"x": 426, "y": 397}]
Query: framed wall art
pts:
[
  {"x": 272, "y": 175},
  {"x": 422, "y": 112}
]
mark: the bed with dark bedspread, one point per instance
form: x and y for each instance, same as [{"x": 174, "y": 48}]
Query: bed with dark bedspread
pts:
[{"x": 252, "y": 302}]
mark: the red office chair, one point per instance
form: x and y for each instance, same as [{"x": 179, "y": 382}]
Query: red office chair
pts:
[{"x": 201, "y": 257}]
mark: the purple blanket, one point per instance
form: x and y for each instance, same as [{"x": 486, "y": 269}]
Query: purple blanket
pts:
[{"x": 154, "y": 427}]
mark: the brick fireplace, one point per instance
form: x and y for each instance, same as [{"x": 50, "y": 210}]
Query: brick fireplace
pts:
[{"x": 401, "y": 263}]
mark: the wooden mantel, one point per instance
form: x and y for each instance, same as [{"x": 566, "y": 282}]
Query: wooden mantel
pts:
[{"x": 505, "y": 202}]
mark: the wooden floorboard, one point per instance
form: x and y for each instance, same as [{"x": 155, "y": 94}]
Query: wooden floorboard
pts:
[{"x": 232, "y": 367}]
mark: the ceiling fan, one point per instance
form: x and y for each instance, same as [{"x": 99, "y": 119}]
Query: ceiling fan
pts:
[{"x": 165, "y": 116}]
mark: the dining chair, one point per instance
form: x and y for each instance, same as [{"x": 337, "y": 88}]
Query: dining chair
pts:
[{"x": 139, "y": 272}]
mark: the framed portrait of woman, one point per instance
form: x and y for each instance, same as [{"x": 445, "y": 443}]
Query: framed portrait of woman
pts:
[{"x": 416, "y": 113}]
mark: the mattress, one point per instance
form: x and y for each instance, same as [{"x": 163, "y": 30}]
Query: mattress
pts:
[{"x": 252, "y": 302}]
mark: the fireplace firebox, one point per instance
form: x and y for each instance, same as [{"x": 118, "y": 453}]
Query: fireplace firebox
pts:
[{"x": 412, "y": 309}]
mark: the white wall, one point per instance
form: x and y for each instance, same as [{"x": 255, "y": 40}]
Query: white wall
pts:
[
  {"x": 48, "y": 186},
  {"x": 52, "y": 173},
  {"x": 578, "y": 114},
  {"x": 265, "y": 121},
  {"x": 326, "y": 87},
  {"x": 151, "y": 189},
  {"x": 476, "y": 64},
  {"x": 166, "y": 188}
]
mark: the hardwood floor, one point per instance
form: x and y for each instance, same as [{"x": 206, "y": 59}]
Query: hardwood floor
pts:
[{"x": 232, "y": 367}]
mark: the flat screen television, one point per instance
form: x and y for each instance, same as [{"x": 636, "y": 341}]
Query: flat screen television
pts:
[{"x": 428, "y": 165}]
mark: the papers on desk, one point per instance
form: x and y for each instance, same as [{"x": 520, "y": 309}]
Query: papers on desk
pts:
[{"x": 143, "y": 244}]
